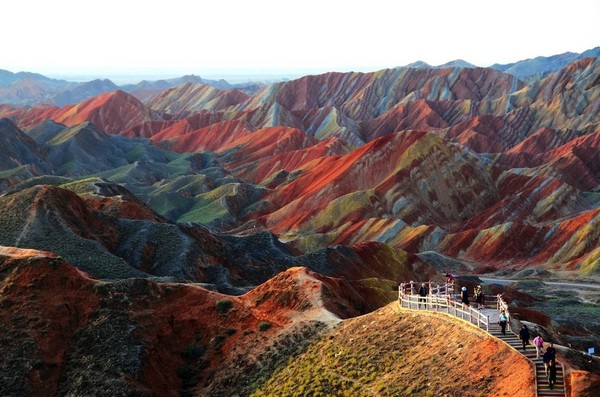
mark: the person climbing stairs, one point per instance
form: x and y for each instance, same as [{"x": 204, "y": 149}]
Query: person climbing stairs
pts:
[{"x": 543, "y": 386}]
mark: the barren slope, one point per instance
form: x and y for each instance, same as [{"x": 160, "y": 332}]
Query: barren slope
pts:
[{"x": 391, "y": 352}]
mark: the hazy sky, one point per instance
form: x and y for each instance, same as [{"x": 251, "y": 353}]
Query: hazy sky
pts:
[{"x": 115, "y": 37}]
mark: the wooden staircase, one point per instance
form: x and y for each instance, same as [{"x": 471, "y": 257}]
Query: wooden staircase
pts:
[{"x": 543, "y": 387}]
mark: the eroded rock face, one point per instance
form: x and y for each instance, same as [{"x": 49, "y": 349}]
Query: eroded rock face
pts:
[
  {"x": 67, "y": 333},
  {"x": 110, "y": 234},
  {"x": 583, "y": 383},
  {"x": 468, "y": 162}
]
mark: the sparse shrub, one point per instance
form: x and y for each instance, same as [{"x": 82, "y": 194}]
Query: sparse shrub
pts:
[
  {"x": 223, "y": 307},
  {"x": 189, "y": 377},
  {"x": 192, "y": 351},
  {"x": 184, "y": 372},
  {"x": 264, "y": 325},
  {"x": 56, "y": 261},
  {"x": 204, "y": 363},
  {"x": 218, "y": 342},
  {"x": 230, "y": 331}
]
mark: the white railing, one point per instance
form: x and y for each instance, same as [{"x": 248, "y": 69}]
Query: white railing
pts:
[
  {"x": 441, "y": 301},
  {"x": 501, "y": 305},
  {"x": 412, "y": 287}
]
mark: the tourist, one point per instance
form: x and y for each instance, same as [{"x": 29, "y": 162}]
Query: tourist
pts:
[
  {"x": 546, "y": 359},
  {"x": 538, "y": 342},
  {"x": 551, "y": 373},
  {"x": 422, "y": 295},
  {"x": 449, "y": 278},
  {"x": 478, "y": 294},
  {"x": 503, "y": 320},
  {"x": 552, "y": 350},
  {"x": 549, "y": 354},
  {"x": 464, "y": 296},
  {"x": 524, "y": 336}
]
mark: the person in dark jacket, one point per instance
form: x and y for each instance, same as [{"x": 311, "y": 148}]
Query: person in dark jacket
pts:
[
  {"x": 549, "y": 354},
  {"x": 464, "y": 296},
  {"x": 479, "y": 297},
  {"x": 552, "y": 350},
  {"x": 524, "y": 336},
  {"x": 422, "y": 295},
  {"x": 552, "y": 373}
]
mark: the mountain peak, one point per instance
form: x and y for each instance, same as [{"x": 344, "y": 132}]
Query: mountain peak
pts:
[
  {"x": 419, "y": 64},
  {"x": 457, "y": 63}
]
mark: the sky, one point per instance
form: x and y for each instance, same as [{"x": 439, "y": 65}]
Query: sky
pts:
[{"x": 263, "y": 37}]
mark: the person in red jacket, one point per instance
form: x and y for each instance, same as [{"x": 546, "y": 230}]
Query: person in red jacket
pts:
[{"x": 538, "y": 342}]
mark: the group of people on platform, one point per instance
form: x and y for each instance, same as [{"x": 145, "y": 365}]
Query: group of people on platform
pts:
[{"x": 478, "y": 296}]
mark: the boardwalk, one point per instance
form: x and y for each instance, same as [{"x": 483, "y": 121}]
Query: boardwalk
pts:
[{"x": 485, "y": 318}]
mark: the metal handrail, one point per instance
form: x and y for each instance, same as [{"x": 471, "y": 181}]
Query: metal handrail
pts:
[
  {"x": 411, "y": 288},
  {"x": 442, "y": 301}
]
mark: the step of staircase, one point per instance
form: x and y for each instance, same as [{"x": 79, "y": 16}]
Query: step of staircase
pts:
[{"x": 550, "y": 393}]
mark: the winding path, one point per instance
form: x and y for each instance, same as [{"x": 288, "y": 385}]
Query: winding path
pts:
[
  {"x": 505, "y": 281},
  {"x": 487, "y": 319}
]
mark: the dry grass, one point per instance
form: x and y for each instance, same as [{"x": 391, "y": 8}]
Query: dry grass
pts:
[{"x": 397, "y": 353}]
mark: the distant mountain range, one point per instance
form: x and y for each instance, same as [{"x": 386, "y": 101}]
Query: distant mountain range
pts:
[
  {"x": 525, "y": 68},
  {"x": 544, "y": 65},
  {"x": 421, "y": 159},
  {"x": 28, "y": 89}
]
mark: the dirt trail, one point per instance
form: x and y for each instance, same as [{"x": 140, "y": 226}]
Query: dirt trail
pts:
[{"x": 506, "y": 281}]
